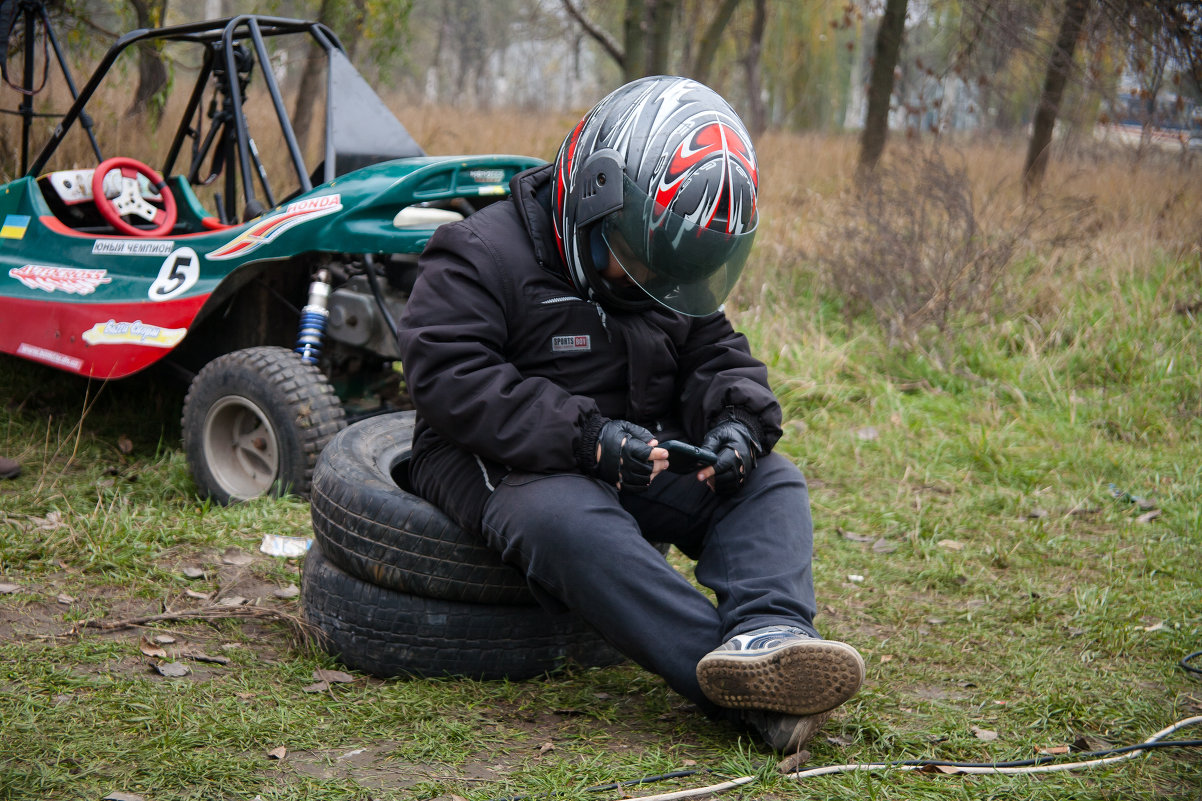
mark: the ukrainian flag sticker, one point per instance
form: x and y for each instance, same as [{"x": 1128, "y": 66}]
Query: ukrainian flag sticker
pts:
[{"x": 14, "y": 226}]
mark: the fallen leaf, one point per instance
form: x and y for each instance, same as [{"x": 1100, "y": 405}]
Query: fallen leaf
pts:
[
  {"x": 951, "y": 545},
  {"x": 545, "y": 747},
  {"x": 840, "y": 740},
  {"x": 1054, "y": 750},
  {"x": 6, "y": 589},
  {"x": 201, "y": 656},
  {"x": 333, "y": 676},
  {"x": 1156, "y": 627},
  {"x": 947, "y": 769},
  {"x": 119, "y": 796},
  {"x": 291, "y": 591},
  {"x": 200, "y": 596},
  {"x": 163, "y": 639},
  {"x": 150, "y": 649},
  {"x": 193, "y": 572},
  {"x": 236, "y": 556},
  {"x": 790, "y": 764},
  {"x": 125, "y": 444},
  {"x": 319, "y": 687},
  {"x": 886, "y": 658},
  {"x": 854, "y": 537},
  {"x": 356, "y": 752},
  {"x": 173, "y": 670},
  {"x": 64, "y": 599},
  {"x": 1148, "y": 517},
  {"x": 988, "y": 735},
  {"x": 885, "y": 546},
  {"x": 232, "y": 600},
  {"x": 688, "y": 763},
  {"x": 277, "y": 753}
]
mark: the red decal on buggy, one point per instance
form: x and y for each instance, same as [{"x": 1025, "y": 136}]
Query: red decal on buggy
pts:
[{"x": 266, "y": 230}]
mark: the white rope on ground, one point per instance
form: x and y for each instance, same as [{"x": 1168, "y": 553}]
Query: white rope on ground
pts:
[
  {"x": 985, "y": 769},
  {"x": 713, "y": 788},
  {"x": 948, "y": 769}
]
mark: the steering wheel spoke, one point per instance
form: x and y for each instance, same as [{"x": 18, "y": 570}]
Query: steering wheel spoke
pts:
[{"x": 130, "y": 202}]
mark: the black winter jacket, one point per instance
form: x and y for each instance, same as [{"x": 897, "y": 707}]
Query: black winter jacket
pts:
[{"x": 510, "y": 369}]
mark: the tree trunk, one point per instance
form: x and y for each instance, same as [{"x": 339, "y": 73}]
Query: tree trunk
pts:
[
  {"x": 659, "y": 43},
  {"x": 757, "y": 115},
  {"x": 310, "y": 84},
  {"x": 1053, "y": 91},
  {"x": 880, "y": 84},
  {"x": 713, "y": 37},
  {"x": 152, "y": 73},
  {"x": 634, "y": 37}
]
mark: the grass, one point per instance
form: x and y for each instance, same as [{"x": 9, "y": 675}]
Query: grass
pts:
[{"x": 967, "y": 541}]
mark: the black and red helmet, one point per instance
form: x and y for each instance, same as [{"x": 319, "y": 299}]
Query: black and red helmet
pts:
[{"x": 662, "y": 175}]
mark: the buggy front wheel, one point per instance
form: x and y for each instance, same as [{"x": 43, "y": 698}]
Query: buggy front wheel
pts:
[{"x": 254, "y": 423}]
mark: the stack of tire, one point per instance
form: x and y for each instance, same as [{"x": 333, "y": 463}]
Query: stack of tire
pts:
[{"x": 396, "y": 588}]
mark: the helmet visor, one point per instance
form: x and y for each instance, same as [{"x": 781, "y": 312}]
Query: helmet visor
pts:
[{"x": 687, "y": 264}]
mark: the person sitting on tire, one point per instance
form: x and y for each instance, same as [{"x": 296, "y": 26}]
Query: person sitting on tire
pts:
[{"x": 552, "y": 342}]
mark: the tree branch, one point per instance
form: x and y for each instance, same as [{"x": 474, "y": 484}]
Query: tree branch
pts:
[{"x": 608, "y": 43}]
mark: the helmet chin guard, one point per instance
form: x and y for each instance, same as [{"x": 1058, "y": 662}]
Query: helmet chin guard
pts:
[{"x": 663, "y": 171}]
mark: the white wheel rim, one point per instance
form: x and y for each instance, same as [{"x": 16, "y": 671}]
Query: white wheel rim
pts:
[{"x": 241, "y": 447}]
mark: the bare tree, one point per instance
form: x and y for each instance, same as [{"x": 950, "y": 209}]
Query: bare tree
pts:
[
  {"x": 647, "y": 36},
  {"x": 703, "y": 61},
  {"x": 310, "y": 89},
  {"x": 152, "y": 72},
  {"x": 757, "y": 114},
  {"x": 885, "y": 55},
  {"x": 1059, "y": 67}
]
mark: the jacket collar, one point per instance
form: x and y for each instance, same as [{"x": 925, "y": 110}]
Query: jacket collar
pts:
[{"x": 531, "y": 194}]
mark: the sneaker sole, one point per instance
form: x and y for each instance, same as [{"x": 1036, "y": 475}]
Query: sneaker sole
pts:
[{"x": 801, "y": 679}]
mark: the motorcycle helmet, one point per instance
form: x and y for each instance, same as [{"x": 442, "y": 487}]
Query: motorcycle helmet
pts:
[{"x": 661, "y": 175}]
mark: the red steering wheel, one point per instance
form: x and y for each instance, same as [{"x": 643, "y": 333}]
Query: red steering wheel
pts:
[{"x": 129, "y": 202}]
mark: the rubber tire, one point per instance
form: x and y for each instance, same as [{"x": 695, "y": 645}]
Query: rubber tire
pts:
[
  {"x": 293, "y": 398},
  {"x": 385, "y": 633},
  {"x": 373, "y": 527}
]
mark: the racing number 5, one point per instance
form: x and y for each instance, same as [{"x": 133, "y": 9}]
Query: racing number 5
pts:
[{"x": 178, "y": 274}]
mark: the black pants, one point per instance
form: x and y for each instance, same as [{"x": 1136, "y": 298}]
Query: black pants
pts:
[{"x": 588, "y": 547}]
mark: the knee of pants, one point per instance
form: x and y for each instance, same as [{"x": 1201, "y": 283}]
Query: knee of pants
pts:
[
  {"x": 549, "y": 517},
  {"x": 775, "y": 469}
]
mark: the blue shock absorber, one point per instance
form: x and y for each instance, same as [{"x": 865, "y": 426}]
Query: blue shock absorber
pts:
[{"x": 313, "y": 319}]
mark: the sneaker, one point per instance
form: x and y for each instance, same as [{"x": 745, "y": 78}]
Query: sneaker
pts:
[
  {"x": 784, "y": 733},
  {"x": 9, "y": 468},
  {"x": 780, "y": 669}
]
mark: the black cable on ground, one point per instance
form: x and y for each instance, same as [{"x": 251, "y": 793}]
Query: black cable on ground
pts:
[{"x": 1185, "y": 663}]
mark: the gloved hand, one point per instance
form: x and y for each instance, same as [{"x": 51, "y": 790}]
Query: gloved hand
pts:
[
  {"x": 736, "y": 447},
  {"x": 625, "y": 455}
]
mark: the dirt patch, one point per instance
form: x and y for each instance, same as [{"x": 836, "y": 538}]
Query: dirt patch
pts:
[{"x": 377, "y": 766}]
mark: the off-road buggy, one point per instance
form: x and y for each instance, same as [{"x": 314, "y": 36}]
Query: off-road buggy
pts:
[{"x": 269, "y": 270}]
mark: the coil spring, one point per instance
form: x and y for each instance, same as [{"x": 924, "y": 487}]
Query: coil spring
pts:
[
  {"x": 313, "y": 319},
  {"x": 310, "y": 334}
]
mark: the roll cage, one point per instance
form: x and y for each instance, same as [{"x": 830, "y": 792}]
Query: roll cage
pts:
[{"x": 232, "y": 47}]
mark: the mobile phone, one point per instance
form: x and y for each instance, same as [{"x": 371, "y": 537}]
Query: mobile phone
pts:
[{"x": 686, "y": 458}]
